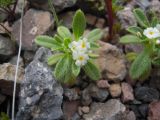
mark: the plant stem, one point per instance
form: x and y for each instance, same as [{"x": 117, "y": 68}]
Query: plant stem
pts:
[
  {"x": 110, "y": 18},
  {"x": 53, "y": 12}
]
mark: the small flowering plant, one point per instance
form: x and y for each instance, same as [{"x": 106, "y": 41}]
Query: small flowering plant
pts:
[
  {"x": 72, "y": 52},
  {"x": 148, "y": 34}
]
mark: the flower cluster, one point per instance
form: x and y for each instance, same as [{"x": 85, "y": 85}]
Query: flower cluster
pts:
[
  {"x": 153, "y": 33},
  {"x": 80, "y": 50}
]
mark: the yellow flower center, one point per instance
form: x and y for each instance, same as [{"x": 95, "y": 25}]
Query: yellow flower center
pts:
[
  {"x": 81, "y": 58},
  {"x": 151, "y": 33},
  {"x": 83, "y": 45}
]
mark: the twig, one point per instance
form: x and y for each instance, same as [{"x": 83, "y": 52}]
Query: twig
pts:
[
  {"x": 5, "y": 28},
  {"x": 17, "y": 66},
  {"x": 110, "y": 17}
]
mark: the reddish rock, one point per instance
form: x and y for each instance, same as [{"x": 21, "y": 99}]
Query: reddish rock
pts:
[
  {"x": 115, "y": 90},
  {"x": 154, "y": 111},
  {"x": 103, "y": 84},
  {"x": 127, "y": 92}
]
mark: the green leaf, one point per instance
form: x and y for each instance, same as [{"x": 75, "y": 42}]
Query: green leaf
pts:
[
  {"x": 135, "y": 30},
  {"x": 66, "y": 42},
  {"x": 63, "y": 69},
  {"x": 54, "y": 58},
  {"x": 131, "y": 56},
  {"x": 4, "y": 116},
  {"x": 95, "y": 35},
  {"x": 75, "y": 69},
  {"x": 48, "y": 42},
  {"x": 58, "y": 38},
  {"x": 92, "y": 55},
  {"x": 94, "y": 45},
  {"x": 79, "y": 24},
  {"x": 141, "y": 18},
  {"x": 130, "y": 39},
  {"x": 154, "y": 21},
  {"x": 92, "y": 71},
  {"x": 141, "y": 65},
  {"x": 64, "y": 32}
]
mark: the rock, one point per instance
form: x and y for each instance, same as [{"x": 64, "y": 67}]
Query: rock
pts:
[
  {"x": 86, "y": 97},
  {"x": 28, "y": 56},
  {"x": 71, "y": 94},
  {"x": 85, "y": 109},
  {"x": 19, "y": 5},
  {"x": 126, "y": 18},
  {"x": 96, "y": 93},
  {"x": 115, "y": 90},
  {"x": 36, "y": 26},
  {"x": 7, "y": 48},
  {"x": 76, "y": 117},
  {"x": 111, "y": 62},
  {"x": 133, "y": 48},
  {"x": 155, "y": 78},
  {"x": 90, "y": 19},
  {"x": 100, "y": 23},
  {"x": 2, "y": 98},
  {"x": 103, "y": 84},
  {"x": 154, "y": 111},
  {"x": 7, "y": 76},
  {"x": 58, "y": 4},
  {"x": 143, "y": 109},
  {"x": 135, "y": 109},
  {"x": 67, "y": 19},
  {"x": 5, "y": 29},
  {"x": 155, "y": 6},
  {"x": 104, "y": 111},
  {"x": 70, "y": 108},
  {"x": 127, "y": 92},
  {"x": 146, "y": 94},
  {"x": 41, "y": 95},
  {"x": 13, "y": 61}
]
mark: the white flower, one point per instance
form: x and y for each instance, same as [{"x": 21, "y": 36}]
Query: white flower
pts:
[
  {"x": 158, "y": 26},
  {"x": 73, "y": 45},
  {"x": 151, "y": 33},
  {"x": 83, "y": 45},
  {"x": 81, "y": 58},
  {"x": 158, "y": 42}
]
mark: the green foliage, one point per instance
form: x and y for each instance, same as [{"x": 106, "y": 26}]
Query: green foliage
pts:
[
  {"x": 145, "y": 34},
  {"x": 6, "y": 3},
  {"x": 72, "y": 51},
  {"x": 4, "y": 116}
]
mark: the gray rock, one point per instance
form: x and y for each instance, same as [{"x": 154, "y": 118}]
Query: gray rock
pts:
[
  {"x": 126, "y": 18},
  {"x": 7, "y": 76},
  {"x": 28, "y": 56},
  {"x": 41, "y": 95},
  {"x": 76, "y": 117},
  {"x": 92, "y": 91},
  {"x": 155, "y": 7},
  {"x": 143, "y": 109},
  {"x": 146, "y": 94},
  {"x": 36, "y": 26},
  {"x": 7, "y": 48},
  {"x": 58, "y": 4},
  {"x": 105, "y": 111},
  {"x": 71, "y": 94},
  {"x": 111, "y": 62}
]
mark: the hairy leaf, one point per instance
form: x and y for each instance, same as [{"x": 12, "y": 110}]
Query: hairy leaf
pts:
[
  {"x": 130, "y": 39},
  {"x": 75, "y": 69},
  {"x": 64, "y": 32},
  {"x": 135, "y": 30},
  {"x": 92, "y": 71},
  {"x": 48, "y": 42},
  {"x": 141, "y": 18},
  {"x": 54, "y": 58},
  {"x": 79, "y": 24},
  {"x": 95, "y": 35},
  {"x": 141, "y": 65}
]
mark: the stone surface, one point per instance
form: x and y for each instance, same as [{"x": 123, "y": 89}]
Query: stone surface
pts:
[
  {"x": 70, "y": 108},
  {"x": 28, "y": 57},
  {"x": 133, "y": 48},
  {"x": 155, "y": 6},
  {"x": 154, "y": 111},
  {"x": 7, "y": 76},
  {"x": 71, "y": 94},
  {"x": 58, "y": 4},
  {"x": 100, "y": 23},
  {"x": 90, "y": 19},
  {"x": 95, "y": 93},
  {"x": 13, "y": 61},
  {"x": 2, "y": 98},
  {"x": 105, "y": 111},
  {"x": 111, "y": 62},
  {"x": 146, "y": 94},
  {"x": 85, "y": 109},
  {"x": 103, "y": 84},
  {"x": 126, "y": 18},
  {"x": 143, "y": 109},
  {"x": 115, "y": 90},
  {"x": 127, "y": 92},
  {"x": 41, "y": 95},
  {"x": 33, "y": 25},
  {"x": 7, "y": 48}
]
